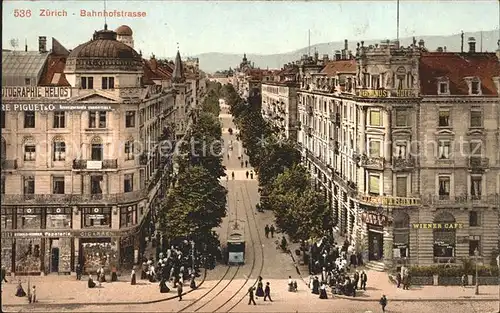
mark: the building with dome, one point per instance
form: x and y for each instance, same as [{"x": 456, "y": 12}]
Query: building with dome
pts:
[
  {"x": 81, "y": 165},
  {"x": 124, "y": 34}
]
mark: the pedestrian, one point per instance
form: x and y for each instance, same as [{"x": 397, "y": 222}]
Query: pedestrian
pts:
[
  {"x": 271, "y": 229},
  {"x": 78, "y": 272},
  {"x": 398, "y": 280},
  {"x": 364, "y": 279},
  {"x": 246, "y": 163},
  {"x": 251, "y": 175},
  {"x": 133, "y": 279},
  {"x": 267, "y": 292},
  {"x": 322, "y": 292},
  {"x": 383, "y": 302},
  {"x": 356, "y": 280},
  {"x": 250, "y": 296},
  {"x": 179, "y": 291},
  {"x": 464, "y": 280},
  {"x": 267, "y": 230},
  {"x": 241, "y": 163},
  {"x": 91, "y": 282},
  {"x": 192, "y": 284},
  {"x": 228, "y": 156},
  {"x": 32, "y": 296},
  {"x": 405, "y": 281},
  {"x": 260, "y": 290},
  {"x": 247, "y": 174},
  {"x": 232, "y": 175},
  {"x": 20, "y": 290},
  {"x": 4, "y": 274}
]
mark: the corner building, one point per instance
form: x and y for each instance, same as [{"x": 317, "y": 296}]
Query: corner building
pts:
[
  {"x": 81, "y": 181},
  {"x": 405, "y": 144}
]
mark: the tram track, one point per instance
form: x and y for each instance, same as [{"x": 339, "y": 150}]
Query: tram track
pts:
[{"x": 256, "y": 246}]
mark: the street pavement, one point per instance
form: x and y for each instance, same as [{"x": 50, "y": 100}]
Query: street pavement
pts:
[{"x": 276, "y": 267}]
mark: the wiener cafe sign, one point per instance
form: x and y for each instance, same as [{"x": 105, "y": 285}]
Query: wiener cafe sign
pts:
[
  {"x": 437, "y": 225},
  {"x": 30, "y": 92}
]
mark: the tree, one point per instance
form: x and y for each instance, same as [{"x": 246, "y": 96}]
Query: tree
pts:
[
  {"x": 275, "y": 158},
  {"x": 295, "y": 180},
  {"x": 194, "y": 206}
]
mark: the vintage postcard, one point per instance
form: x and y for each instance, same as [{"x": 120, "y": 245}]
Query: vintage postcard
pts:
[{"x": 250, "y": 156}]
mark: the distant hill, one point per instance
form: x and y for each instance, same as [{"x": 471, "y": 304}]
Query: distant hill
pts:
[{"x": 213, "y": 61}]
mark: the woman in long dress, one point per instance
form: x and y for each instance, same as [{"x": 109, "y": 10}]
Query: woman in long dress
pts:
[
  {"x": 20, "y": 291},
  {"x": 133, "y": 279},
  {"x": 192, "y": 284},
  {"x": 315, "y": 289},
  {"x": 260, "y": 290},
  {"x": 163, "y": 286},
  {"x": 91, "y": 283},
  {"x": 322, "y": 292}
]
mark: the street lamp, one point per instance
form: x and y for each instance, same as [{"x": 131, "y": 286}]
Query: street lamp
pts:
[{"x": 476, "y": 254}]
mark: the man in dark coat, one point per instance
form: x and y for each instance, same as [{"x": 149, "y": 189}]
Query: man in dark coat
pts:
[
  {"x": 383, "y": 303},
  {"x": 179, "y": 291},
  {"x": 272, "y": 229},
  {"x": 267, "y": 230},
  {"x": 267, "y": 292},
  {"x": 4, "y": 274},
  {"x": 250, "y": 296},
  {"x": 356, "y": 280},
  {"x": 364, "y": 279},
  {"x": 78, "y": 272}
]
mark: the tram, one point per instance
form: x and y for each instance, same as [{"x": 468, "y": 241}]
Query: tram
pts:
[{"x": 236, "y": 243}]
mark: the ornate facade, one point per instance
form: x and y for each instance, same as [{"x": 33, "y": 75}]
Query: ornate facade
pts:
[{"x": 81, "y": 179}]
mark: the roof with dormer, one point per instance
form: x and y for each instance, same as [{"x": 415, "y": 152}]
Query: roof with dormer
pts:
[
  {"x": 455, "y": 68},
  {"x": 334, "y": 68}
]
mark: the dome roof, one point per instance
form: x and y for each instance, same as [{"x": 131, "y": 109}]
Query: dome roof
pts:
[
  {"x": 124, "y": 30},
  {"x": 104, "y": 45}
]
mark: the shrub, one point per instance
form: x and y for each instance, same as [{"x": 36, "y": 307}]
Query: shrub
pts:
[{"x": 453, "y": 271}]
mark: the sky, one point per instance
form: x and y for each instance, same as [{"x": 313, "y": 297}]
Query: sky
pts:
[{"x": 254, "y": 27}]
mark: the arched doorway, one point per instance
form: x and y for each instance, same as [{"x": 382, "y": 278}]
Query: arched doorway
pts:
[
  {"x": 401, "y": 235},
  {"x": 444, "y": 238}
]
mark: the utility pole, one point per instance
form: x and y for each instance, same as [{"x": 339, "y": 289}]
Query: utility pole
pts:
[
  {"x": 397, "y": 21},
  {"x": 309, "y": 43}
]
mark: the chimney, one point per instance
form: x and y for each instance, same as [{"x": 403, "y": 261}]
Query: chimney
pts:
[
  {"x": 462, "y": 42},
  {"x": 439, "y": 49},
  {"x": 421, "y": 43},
  {"x": 472, "y": 45},
  {"x": 338, "y": 55},
  {"x": 346, "y": 47},
  {"x": 325, "y": 57},
  {"x": 42, "y": 44},
  {"x": 25, "y": 45},
  {"x": 444, "y": 49}
]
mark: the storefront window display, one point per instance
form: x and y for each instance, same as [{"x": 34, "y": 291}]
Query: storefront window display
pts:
[
  {"x": 401, "y": 235},
  {"x": 58, "y": 255},
  {"x": 128, "y": 216},
  {"x": 99, "y": 253},
  {"x": 29, "y": 218},
  {"x": 28, "y": 255},
  {"x": 7, "y": 254},
  {"x": 96, "y": 217},
  {"x": 444, "y": 239},
  {"x": 58, "y": 218},
  {"x": 7, "y": 218}
]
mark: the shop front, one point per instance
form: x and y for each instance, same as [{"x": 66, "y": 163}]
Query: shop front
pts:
[
  {"x": 375, "y": 223},
  {"x": 401, "y": 238}
]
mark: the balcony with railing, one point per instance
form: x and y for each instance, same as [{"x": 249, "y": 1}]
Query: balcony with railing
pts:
[
  {"x": 372, "y": 162},
  {"x": 478, "y": 163},
  {"x": 9, "y": 164},
  {"x": 95, "y": 165},
  {"x": 389, "y": 201},
  {"x": 399, "y": 164},
  {"x": 462, "y": 199},
  {"x": 73, "y": 199}
]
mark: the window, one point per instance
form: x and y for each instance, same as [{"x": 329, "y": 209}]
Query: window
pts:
[
  {"x": 401, "y": 186},
  {"x": 375, "y": 118},
  {"x": 476, "y": 182},
  {"x": 374, "y": 148},
  {"x": 29, "y": 218},
  {"x": 96, "y": 217},
  {"x": 29, "y": 119},
  {"x": 96, "y": 153},
  {"x": 97, "y": 119},
  {"x": 443, "y": 88},
  {"x": 29, "y": 185},
  {"x": 129, "y": 150},
  {"x": 400, "y": 150},
  {"x": 128, "y": 183},
  {"x": 475, "y": 88},
  {"x": 476, "y": 118},
  {"x": 473, "y": 218},
  {"x": 29, "y": 152},
  {"x": 444, "y": 149},
  {"x": 59, "y": 119},
  {"x": 96, "y": 184},
  {"x": 374, "y": 187},
  {"x": 87, "y": 82},
  {"x": 27, "y": 81},
  {"x": 58, "y": 218},
  {"x": 474, "y": 245},
  {"x": 2, "y": 118},
  {"x": 58, "y": 185},
  {"x": 475, "y": 149},
  {"x": 59, "y": 150},
  {"x": 128, "y": 216},
  {"x": 130, "y": 119},
  {"x": 375, "y": 81},
  {"x": 108, "y": 83},
  {"x": 444, "y": 187},
  {"x": 444, "y": 118},
  {"x": 401, "y": 118}
]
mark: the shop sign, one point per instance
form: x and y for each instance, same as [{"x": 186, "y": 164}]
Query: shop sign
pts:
[
  {"x": 96, "y": 216},
  {"x": 374, "y": 219},
  {"x": 29, "y": 92},
  {"x": 382, "y": 93},
  {"x": 102, "y": 233},
  {"x": 437, "y": 225},
  {"x": 36, "y": 234}
]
